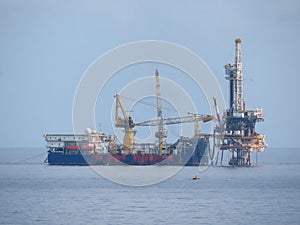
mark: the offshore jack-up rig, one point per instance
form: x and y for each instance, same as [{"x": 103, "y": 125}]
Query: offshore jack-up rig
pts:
[{"x": 236, "y": 132}]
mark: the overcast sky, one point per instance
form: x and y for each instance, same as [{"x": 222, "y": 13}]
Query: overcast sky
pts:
[{"x": 45, "y": 47}]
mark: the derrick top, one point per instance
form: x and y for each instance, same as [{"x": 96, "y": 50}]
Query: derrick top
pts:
[{"x": 238, "y": 41}]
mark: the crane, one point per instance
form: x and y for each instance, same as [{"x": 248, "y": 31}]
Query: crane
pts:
[
  {"x": 218, "y": 131},
  {"x": 161, "y": 132},
  {"x": 127, "y": 123}
]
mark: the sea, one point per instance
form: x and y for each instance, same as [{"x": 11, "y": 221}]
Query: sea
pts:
[{"x": 32, "y": 192}]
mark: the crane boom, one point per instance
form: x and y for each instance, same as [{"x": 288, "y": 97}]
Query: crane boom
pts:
[
  {"x": 119, "y": 121},
  {"x": 177, "y": 120},
  {"x": 217, "y": 110},
  {"x": 158, "y": 97}
]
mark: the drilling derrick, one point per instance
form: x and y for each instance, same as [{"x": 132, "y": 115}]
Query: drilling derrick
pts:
[{"x": 240, "y": 137}]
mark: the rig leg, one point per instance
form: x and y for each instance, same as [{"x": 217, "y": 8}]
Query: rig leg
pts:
[
  {"x": 249, "y": 159},
  {"x": 222, "y": 158},
  {"x": 244, "y": 158}
]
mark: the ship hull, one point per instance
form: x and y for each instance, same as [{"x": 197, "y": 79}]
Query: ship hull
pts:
[{"x": 191, "y": 157}]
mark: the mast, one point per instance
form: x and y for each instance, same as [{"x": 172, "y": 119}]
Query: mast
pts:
[{"x": 161, "y": 133}]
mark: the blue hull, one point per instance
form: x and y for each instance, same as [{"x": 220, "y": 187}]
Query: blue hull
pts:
[{"x": 188, "y": 159}]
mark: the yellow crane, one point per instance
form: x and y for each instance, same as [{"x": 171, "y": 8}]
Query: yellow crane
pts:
[{"x": 125, "y": 122}]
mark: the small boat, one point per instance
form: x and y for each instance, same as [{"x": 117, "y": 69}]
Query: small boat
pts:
[{"x": 196, "y": 178}]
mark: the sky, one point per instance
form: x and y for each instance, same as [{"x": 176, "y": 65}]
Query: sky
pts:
[{"x": 46, "y": 46}]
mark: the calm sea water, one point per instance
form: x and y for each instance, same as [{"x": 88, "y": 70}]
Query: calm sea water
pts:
[{"x": 34, "y": 193}]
